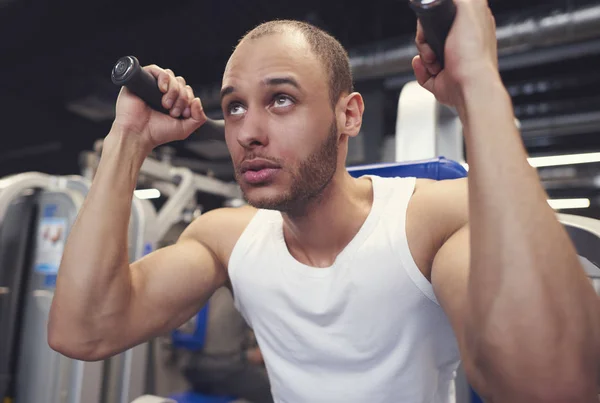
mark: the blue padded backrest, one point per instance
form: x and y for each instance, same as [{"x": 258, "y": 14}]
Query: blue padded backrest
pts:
[
  {"x": 436, "y": 168},
  {"x": 193, "y": 341},
  {"x": 191, "y": 397}
]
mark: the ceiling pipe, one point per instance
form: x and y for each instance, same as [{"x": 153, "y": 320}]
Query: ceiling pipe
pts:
[{"x": 552, "y": 29}]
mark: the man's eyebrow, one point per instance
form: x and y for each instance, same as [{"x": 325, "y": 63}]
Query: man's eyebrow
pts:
[
  {"x": 226, "y": 91},
  {"x": 273, "y": 81}
]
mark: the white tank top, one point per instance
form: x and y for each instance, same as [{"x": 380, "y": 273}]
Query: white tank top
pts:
[{"x": 367, "y": 329}]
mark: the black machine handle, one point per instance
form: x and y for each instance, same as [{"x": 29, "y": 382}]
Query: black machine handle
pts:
[
  {"x": 436, "y": 17},
  {"x": 128, "y": 72}
]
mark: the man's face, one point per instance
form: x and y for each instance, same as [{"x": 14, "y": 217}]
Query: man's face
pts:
[{"x": 279, "y": 125}]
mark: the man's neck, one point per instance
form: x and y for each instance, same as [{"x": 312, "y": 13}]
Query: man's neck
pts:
[{"x": 328, "y": 223}]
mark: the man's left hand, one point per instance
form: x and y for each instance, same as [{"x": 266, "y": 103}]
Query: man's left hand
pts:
[{"x": 470, "y": 53}]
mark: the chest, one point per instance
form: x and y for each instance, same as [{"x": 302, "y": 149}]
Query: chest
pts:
[{"x": 352, "y": 307}]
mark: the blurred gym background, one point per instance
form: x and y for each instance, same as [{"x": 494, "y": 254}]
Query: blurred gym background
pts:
[{"x": 57, "y": 100}]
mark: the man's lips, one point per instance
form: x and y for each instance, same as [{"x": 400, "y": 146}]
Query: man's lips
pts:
[
  {"x": 257, "y": 164},
  {"x": 258, "y": 177},
  {"x": 257, "y": 171}
]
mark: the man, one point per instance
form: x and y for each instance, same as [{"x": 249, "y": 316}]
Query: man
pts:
[{"x": 358, "y": 290}]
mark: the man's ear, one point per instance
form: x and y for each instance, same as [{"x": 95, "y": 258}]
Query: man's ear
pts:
[{"x": 351, "y": 112}]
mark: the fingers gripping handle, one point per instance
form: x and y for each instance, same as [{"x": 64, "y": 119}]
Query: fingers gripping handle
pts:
[
  {"x": 128, "y": 72},
  {"x": 436, "y": 17}
]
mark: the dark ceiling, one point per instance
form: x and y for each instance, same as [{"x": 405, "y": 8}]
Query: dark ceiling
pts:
[{"x": 56, "y": 95}]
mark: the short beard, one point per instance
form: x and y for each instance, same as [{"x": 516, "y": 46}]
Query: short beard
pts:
[{"x": 308, "y": 181}]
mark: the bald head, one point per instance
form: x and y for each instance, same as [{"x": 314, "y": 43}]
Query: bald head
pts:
[
  {"x": 287, "y": 98},
  {"x": 328, "y": 51}
]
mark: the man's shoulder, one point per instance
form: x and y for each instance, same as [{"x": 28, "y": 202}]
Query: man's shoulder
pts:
[
  {"x": 221, "y": 228},
  {"x": 224, "y": 222},
  {"x": 443, "y": 204},
  {"x": 447, "y": 199},
  {"x": 436, "y": 210}
]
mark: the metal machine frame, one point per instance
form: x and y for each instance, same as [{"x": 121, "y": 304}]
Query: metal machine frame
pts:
[{"x": 79, "y": 381}]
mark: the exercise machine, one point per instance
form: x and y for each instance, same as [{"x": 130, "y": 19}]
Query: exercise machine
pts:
[{"x": 36, "y": 213}]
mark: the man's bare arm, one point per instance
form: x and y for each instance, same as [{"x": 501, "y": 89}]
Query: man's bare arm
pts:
[
  {"x": 170, "y": 285},
  {"x": 102, "y": 305},
  {"x": 529, "y": 298},
  {"x": 167, "y": 288},
  {"x": 524, "y": 311},
  {"x": 531, "y": 340},
  {"x": 530, "y": 317}
]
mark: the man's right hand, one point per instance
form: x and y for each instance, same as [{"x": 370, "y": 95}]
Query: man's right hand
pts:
[{"x": 135, "y": 118}]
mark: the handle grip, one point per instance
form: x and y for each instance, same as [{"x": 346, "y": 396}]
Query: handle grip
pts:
[
  {"x": 436, "y": 17},
  {"x": 128, "y": 72}
]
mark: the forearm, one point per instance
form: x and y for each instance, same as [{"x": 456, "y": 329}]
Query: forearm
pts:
[
  {"x": 533, "y": 315},
  {"x": 94, "y": 282}
]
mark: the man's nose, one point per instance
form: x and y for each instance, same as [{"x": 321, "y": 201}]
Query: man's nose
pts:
[{"x": 253, "y": 131}]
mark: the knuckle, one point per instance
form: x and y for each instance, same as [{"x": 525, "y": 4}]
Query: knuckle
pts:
[
  {"x": 190, "y": 91},
  {"x": 182, "y": 97},
  {"x": 182, "y": 89},
  {"x": 173, "y": 84},
  {"x": 173, "y": 92}
]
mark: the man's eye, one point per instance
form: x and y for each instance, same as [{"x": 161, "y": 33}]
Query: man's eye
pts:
[
  {"x": 236, "y": 109},
  {"x": 282, "y": 101}
]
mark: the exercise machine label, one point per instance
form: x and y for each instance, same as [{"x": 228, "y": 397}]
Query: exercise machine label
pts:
[{"x": 50, "y": 243}]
